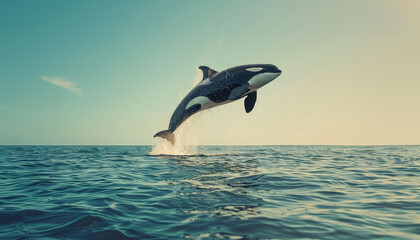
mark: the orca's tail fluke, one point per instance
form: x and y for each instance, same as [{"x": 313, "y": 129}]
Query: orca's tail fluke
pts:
[{"x": 166, "y": 134}]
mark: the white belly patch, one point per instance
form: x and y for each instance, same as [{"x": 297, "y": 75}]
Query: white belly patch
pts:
[{"x": 205, "y": 102}]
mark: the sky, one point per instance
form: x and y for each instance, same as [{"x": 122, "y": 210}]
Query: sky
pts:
[{"x": 112, "y": 72}]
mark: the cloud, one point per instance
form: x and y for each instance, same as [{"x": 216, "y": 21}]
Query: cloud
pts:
[{"x": 62, "y": 82}]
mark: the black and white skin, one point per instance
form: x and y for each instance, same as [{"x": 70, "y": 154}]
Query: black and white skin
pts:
[{"x": 218, "y": 88}]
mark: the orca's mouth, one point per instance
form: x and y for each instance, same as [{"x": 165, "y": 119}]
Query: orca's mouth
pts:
[
  {"x": 276, "y": 70},
  {"x": 272, "y": 70}
]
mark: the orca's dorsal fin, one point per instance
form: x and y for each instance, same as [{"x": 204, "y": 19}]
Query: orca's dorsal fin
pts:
[{"x": 207, "y": 72}]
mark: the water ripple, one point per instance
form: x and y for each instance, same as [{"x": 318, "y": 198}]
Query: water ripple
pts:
[{"x": 219, "y": 192}]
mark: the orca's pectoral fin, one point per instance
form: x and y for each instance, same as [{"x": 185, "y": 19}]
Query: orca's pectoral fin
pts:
[
  {"x": 238, "y": 92},
  {"x": 250, "y": 101},
  {"x": 166, "y": 134}
]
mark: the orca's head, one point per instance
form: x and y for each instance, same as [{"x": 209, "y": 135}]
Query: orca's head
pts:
[{"x": 264, "y": 73}]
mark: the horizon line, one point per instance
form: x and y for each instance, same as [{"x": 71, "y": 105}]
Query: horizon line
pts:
[{"x": 213, "y": 145}]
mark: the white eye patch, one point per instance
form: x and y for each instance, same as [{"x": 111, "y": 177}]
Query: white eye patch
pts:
[{"x": 254, "y": 69}]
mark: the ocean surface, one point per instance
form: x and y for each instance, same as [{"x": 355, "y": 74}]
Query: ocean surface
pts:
[{"x": 221, "y": 192}]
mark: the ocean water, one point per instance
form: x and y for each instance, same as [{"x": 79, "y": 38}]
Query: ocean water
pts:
[{"x": 221, "y": 192}]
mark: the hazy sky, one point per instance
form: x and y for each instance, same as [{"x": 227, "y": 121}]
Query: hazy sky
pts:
[{"x": 112, "y": 72}]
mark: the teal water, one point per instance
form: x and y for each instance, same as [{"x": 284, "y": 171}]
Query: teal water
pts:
[{"x": 223, "y": 192}]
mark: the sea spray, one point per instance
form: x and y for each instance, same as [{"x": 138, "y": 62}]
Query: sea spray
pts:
[
  {"x": 186, "y": 135},
  {"x": 186, "y": 139}
]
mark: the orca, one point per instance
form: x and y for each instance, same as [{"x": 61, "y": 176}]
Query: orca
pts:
[{"x": 218, "y": 88}]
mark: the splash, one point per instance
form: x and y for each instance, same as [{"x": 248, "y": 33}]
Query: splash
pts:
[
  {"x": 186, "y": 136},
  {"x": 186, "y": 139}
]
